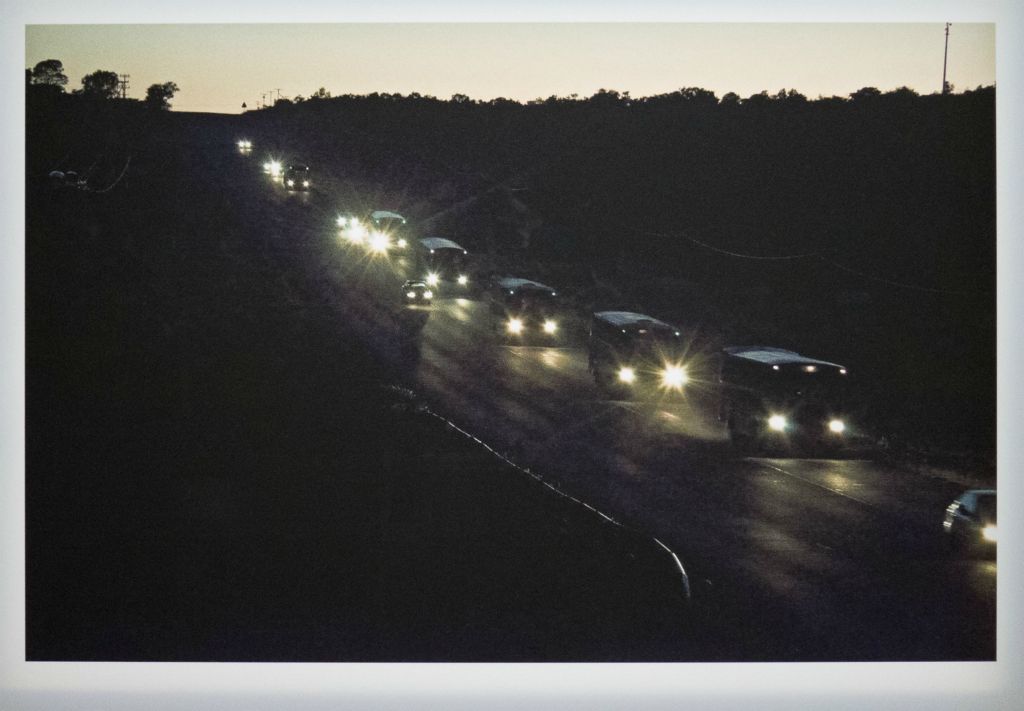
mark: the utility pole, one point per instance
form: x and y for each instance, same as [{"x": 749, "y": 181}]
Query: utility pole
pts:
[
  {"x": 278, "y": 95},
  {"x": 124, "y": 85},
  {"x": 945, "y": 56}
]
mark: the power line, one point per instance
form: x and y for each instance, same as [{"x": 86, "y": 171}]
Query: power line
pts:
[
  {"x": 901, "y": 285},
  {"x": 824, "y": 260},
  {"x": 767, "y": 258}
]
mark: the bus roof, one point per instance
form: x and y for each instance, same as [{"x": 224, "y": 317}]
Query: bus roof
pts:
[
  {"x": 441, "y": 243},
  {"x": 385, "y": 215},
  {"x": 623, "y": 319},
  {"x": 774, "y": 356},
  {"x": 517, "y": 283}
]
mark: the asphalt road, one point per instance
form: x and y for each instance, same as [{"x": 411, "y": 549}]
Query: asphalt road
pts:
[{"x": 794, "y": 559}]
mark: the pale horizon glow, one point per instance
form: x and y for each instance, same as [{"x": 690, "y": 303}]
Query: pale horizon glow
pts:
[{"x": 218, "y": 67}]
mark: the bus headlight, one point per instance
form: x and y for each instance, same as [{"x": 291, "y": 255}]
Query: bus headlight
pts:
[
  {"x": 428, "y": 294},
  {"x": 402, "y": 244},
  {"x": 305, "y": 183},
  {"x": 515, "y": 325},
  {"x": 777, "y": 423},
  {"x": 836, "y": 426},
  {"x": 550, "y": 326},
  {"x": 627, "y": 375},
  {"x": 989, "y": 533},
  {"x": 291, "y": 183},
  {"x": 411, "y": 294},
  {"x": 379, "y": 242},
  {"x": 673, "y": 376},
  {"x": 463, "y": 279},
  {"x": 432, "y": 278}
]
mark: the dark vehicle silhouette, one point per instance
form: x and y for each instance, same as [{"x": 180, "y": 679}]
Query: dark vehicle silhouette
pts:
[
  {"x": 442, "y": 260},
  {"x": 777, "y": 398},
  {"x": 526, "y": 311},
  {"x": 970, "y": 521},
  {"x": 416, "y": 293},
  {"x": 391, "y": 224},
  {"x": 633, "y": 354},
  {"x": 296, "y": 177}
]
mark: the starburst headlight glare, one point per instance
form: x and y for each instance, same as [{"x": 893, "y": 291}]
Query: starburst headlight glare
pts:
[
  {"x": 777, "y": 423},
  {"x": 274, "y": 167},
  {"x": 428, "y": 294},
  {"x": 402, "y": 243},
  {"x": 515, "y": 325},
  {"x": 342, "y": 221},
  {"x": 379, "y": 242},
  {"x": 432, "y": 279},
  {"x": 673, "y": 376},
  {"x": 837, "y": 426},
  {"x": 266, "y": 167},
  {"x": 291, "y": 183},
  {"x": 989, "y": 533},
  {"x": 627, "y": 375},
  {"x": 550, "y": 326},
  {"x": 411, "y": 294},
  {"x": 463, "y": 279}
]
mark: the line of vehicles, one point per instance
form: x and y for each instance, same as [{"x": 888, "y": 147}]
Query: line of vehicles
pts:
[{"x": 770, "y": 399}]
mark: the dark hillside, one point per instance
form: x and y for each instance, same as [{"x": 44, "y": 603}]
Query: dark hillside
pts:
[{"x": 215, "y": 473}]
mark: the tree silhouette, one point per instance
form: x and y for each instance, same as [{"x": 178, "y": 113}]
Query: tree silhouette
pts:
[
  {"x": 868, "y": 92},
  {"x": 100, "y": 84},
  {"x": 49, "y": 72},
  {"x": 158, "y": 96}
]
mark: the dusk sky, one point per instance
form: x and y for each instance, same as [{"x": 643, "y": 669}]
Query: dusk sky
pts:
[{"x": 218, "y": 67}]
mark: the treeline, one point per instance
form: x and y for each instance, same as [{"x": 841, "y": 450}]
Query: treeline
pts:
[
  {"x": 773, "y": 174},
  {"x": 47, "y": 78}
]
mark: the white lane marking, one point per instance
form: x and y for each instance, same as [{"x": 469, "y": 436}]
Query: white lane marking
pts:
[{"x": 837, "y": 492}]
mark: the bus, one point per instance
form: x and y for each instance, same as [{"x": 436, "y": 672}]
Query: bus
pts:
[
  {"x": 633, "y": 354},
  {"x": 778, "y": 398},
  {"x": 526, "y": 311},
  {"x": 442, "y": 260}
]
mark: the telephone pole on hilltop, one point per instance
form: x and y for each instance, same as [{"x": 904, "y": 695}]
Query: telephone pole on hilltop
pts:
[
  {"x": 945, "y": 56},
  {"x": 124, "y": 85}
]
